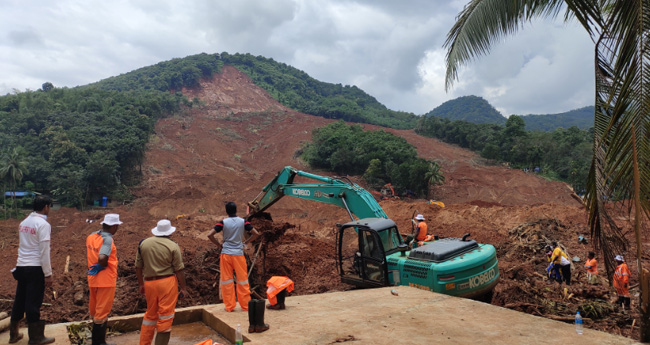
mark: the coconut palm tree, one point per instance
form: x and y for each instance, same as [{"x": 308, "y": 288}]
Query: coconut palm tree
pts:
[
  {"x": 12, "y": 170},
  {"x": 434, "y": 176},
  {"x": 621, "y": 163}
]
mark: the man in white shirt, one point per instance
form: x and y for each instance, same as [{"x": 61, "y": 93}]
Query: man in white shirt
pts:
[{"x": 33, "y": 272}]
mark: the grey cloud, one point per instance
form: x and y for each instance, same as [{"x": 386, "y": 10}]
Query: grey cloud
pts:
[{"x": 25, "y": 38}]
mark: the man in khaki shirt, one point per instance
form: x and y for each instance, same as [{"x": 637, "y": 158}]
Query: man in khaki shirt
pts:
[{"x": 159, "y": 268}]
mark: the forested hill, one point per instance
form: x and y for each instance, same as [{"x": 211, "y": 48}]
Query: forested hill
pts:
[
  {"x": 290, "y": 86},
  {"x": 85, "y": 142},
  {"x": 468, "y": 108},
  {"x": 582, "y": 118},
  {"x": 477, "y": 110}
]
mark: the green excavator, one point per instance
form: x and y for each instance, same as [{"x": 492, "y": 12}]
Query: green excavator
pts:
[{"x": 371, "y": 252}]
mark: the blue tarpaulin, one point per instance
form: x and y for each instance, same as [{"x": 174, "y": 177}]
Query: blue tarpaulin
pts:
[{"x": 19, "y": 194}]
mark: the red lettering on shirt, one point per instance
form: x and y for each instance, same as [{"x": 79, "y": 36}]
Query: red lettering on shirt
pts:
[{"x": 27, "y": 229}]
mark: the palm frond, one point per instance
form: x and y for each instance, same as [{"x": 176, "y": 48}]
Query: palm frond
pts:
[{"x": 484, "y": 22}]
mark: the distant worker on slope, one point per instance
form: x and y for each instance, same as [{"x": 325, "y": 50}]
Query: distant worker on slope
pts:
[
  {"x": 622, "y": 282},
  {"x": 561, "y": 260},
  {"x": 232, "y": 257},
  {"x": 102, "y": 275},
  {"x": 592, "y": 268}
]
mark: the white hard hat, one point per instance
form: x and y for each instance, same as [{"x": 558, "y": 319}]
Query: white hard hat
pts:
[
  {"x": 619, "y": 258},
  {"x": 419, "y": 217}
]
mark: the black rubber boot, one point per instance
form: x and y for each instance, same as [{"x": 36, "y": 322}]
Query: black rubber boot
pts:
[
  {"x": 626, "y": 302},
  {"x": 251, "y": 315},
  {"x": 162, "y": 338},
  {"x": 260, "y": 326},
  {"x": 99, "y": 333},
  {"x": 36, "y": 332},
  {"x": 279, "y": 305},
  {"x": 14, "y": 332}
]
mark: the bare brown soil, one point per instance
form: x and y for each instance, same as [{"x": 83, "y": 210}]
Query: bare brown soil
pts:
[{"x": 233, "y": 145}]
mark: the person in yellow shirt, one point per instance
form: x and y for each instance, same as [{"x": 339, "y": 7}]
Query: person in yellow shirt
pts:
[
  {"x": 592, "y": 268},
  {"x": 561, "y": 260}
]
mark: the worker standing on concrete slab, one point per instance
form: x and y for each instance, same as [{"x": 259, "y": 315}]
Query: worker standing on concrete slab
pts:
[
  {"x": 592, "y": 268},
  {"x": 33, "y": 272},
  {"x": 160, "y": 270},
  {"x": 232, "y": 257},
  {"x": 622, "y": 282},
  {"x": 102, "y": 275},
  {"x": 561, "y": 260}
]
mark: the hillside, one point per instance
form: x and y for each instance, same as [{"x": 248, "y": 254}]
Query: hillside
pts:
[
  {"x": 231, "y": 146},
  {"x": 477, "y": 110},
  {"x": 582, "y": 118},
  {"x": 468, "y": 108}
]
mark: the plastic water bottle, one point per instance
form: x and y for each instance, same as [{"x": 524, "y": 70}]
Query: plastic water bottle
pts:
[
  {"x": 239, "y": 340},
  {"x": 578, "y": 323}
]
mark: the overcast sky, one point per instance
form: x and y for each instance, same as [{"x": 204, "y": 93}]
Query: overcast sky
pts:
[{"x": 393, "y": 50}]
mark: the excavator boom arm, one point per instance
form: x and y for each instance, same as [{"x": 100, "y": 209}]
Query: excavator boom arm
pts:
[{"x": 350, "y": 196}]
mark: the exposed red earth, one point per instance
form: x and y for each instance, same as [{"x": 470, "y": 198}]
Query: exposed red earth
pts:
[{"x": 232, "y": 146}]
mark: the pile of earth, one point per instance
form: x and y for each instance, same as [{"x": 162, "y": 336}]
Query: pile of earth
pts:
[{"x": 233, "y": 145}]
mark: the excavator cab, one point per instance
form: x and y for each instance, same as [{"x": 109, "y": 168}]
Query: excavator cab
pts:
[{"x": 362, "y": 248}]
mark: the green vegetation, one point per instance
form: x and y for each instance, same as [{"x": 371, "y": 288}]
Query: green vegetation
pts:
[
  {"x": 564, "y": 154},
  {"x": 165, "y": 76},
  {"x": 297, "y": 90},
  {"x": 468, "y": 108},
  {"x": 380, "y": 156},
  {"x": 78, "y": 144},
  {"x": 86, "y": 142},
  {"x": 477, "y": 110},
  {"x": 582, "y": 118}
]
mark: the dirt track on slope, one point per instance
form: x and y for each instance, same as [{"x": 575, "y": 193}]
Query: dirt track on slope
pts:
[{"x": 230, "y": 147}]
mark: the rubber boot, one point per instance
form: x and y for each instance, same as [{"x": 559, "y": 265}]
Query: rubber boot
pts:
[
  {"x": 626, "y": 302},
  {"x": 162, "y": 338},
  {"x": 260, "y": 326},
  {"x": 14, "y": 332},
  {"x": 251, "y": 315},
  {"x": 279, "y": 305},
  {"x": 36, "y": 332},
  {"x": 99, "y": 333}
]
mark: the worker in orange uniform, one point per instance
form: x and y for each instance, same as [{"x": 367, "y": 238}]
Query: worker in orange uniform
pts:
[
  {"x": 592, "y": 268},
  {"x": 232, "y": 257},
  {"x": 160, "y": 270},
  {"x": 277, "y": 288},
  {"x": 102, "y": 275},
  {"x": 622, "y": 282},
  {"x": 420, "y": 231}
]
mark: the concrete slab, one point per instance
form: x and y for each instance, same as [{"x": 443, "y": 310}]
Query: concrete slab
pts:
[
  {"x": 375, "y": 316},
  {"x": 414, "y": 316}
]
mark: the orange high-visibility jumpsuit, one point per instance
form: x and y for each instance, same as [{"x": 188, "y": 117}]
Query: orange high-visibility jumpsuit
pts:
[
  {"x": 101, "y": 285},
  {"x": 592, "y": 273},
  {"x": 162, "y": 295},
  {"x": 228, "y": 264},
  {"x": 622, "y": 280},
  {"x": 275, "y": 285},
  {"x": 422, "y": 231}
]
